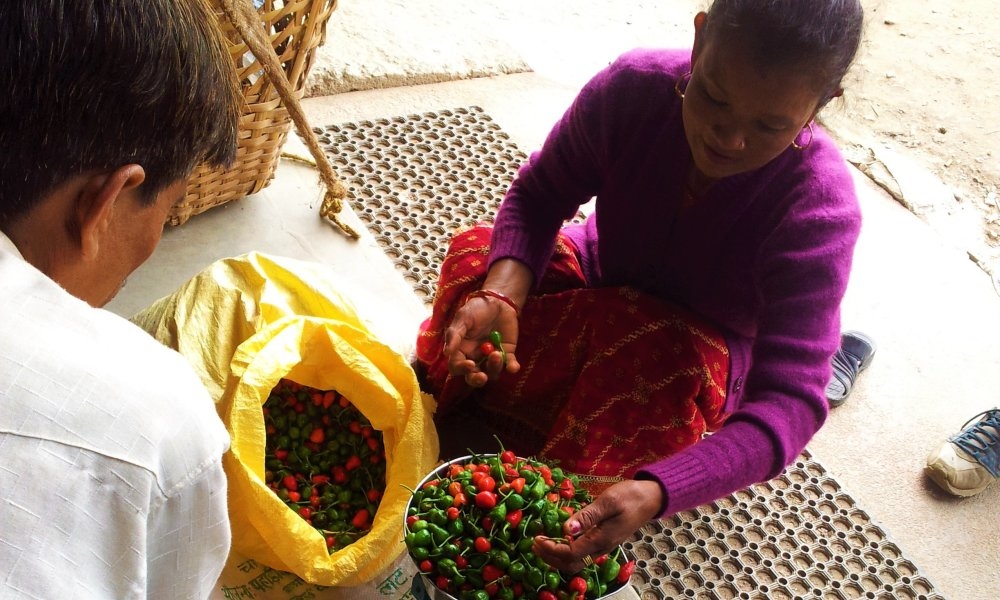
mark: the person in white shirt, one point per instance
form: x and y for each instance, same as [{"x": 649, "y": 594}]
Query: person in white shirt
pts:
[{"x": 111, "y": 480}]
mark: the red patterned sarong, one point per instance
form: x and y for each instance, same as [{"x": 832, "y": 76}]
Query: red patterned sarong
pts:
[{"x": 611, "y": 379}]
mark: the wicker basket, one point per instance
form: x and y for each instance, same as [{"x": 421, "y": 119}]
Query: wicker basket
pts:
[{"x": 296, "y": 28}]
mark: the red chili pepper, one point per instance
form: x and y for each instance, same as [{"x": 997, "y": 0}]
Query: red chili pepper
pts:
[
  {"x": 546, "y": 473},
  {"x": 320, "y": 479},
  {"x": 294, "y": 496},
  {"x": 290, "y": 483},
  {"x": 281, "y": 454},
  {"x": 482, "y": 545},
  {"x": 577, "y": 585},
  {"x": 461, "y": 562},
  {"x": 514, "y": 517},
  {"x": 373, "y": 495},
  {"x": 625, "y": 573},
  {"x": 339, "y": 474},
  {"x": 486, "y": 500},
  {"x": 354, "y": 427},
  {"x": 373, "y": 444},
  {"x": 517, "y": 484},
  {"x": 486, "y": 348},
  {"x": 411, "y": 519},
  {"x": 317, "y": 436},
  {"x": 547, "y": 595},
  {"x": 566, "y": 488},
  {"x": 426, "y": 566},
  {"x": 486, "y": 484},
  {"x": 453, "y": 513},
  {"x": 460, "y": 499},
  {"x": 508, "y": 457},
  {"x": 353, "y": 462},
  {"x": 305, "y": 512},
  {"x": 360, "y": 519},
  {"x": 328, "y": 399}
]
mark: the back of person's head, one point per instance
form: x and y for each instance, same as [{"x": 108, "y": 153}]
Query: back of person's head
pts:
[
  {"x": 90, "y": 85},
  {"x": 820, "y": 36}
]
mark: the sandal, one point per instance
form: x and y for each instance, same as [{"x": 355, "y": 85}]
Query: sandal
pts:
[{"x": 854, "y": 355}]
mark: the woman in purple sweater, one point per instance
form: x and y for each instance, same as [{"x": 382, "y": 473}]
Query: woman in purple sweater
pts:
[{"x": 701, "y": 295}]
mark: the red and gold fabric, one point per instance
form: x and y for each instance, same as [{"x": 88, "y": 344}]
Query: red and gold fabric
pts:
[{"x": 611, "y": 379}]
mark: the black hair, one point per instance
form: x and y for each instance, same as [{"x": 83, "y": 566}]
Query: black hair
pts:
[
  {"x": 91, "y": 85},
  {"x": 823, "y": 35}
]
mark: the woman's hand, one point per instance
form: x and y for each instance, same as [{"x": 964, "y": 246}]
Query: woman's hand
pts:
[
  {"x": 468, "y": 331},
  {"x": 482, "y": 314},
  {"x": 607, "y": 522}
]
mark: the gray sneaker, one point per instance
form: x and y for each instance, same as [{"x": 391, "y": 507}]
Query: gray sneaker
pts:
[{"x": 970, "y": 461}]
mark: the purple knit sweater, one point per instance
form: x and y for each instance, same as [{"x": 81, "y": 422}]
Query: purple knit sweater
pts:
[{"x": 765, "y": 255}]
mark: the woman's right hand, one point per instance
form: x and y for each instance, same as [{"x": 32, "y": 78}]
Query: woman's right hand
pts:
[{"x": 471, "y": 327}]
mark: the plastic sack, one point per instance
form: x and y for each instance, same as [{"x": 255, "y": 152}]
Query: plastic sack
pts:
[{"x": 244, "y": 323}]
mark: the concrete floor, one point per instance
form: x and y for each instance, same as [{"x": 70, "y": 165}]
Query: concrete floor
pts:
[{"x": 934, "y": 315}]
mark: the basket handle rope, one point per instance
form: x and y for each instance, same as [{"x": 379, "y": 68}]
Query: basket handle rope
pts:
[{"x": 250, "y": 28}]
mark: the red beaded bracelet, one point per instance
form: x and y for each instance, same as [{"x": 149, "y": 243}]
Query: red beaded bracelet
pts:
[{"x": 493, "y": 294}]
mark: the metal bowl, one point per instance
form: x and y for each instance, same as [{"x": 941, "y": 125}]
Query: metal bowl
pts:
[{"x": 432, "y": 591}]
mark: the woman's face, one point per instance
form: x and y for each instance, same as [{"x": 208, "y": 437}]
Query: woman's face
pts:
[{"x": 737, "y": 116}]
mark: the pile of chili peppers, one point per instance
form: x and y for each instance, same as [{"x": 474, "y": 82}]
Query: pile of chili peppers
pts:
[
  {"x": 470, "y": 529},
  {"x": 324, "y": 460}
]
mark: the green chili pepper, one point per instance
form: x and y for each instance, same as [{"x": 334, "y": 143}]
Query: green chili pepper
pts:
[
  {"x": 524, "y": 546},
  {"x": 534, "y": 578},
  {"x": 500, "y": 558},
  {"x": 475, "y": 579},
  {"x": 552, "y": 580},
  {"x": 497, "y": 340},
  {"x": 440, "y": 534},
  {"x": 446, "y": 566},
  {"x": 420, "y": 538},
  {"x": 499, "y": 513},
  {"x": 609, "y": 570},
  {"x": 516, "y": 571}
]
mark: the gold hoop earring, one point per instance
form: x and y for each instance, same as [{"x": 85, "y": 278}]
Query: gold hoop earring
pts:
[
  {"x": 801, "y": 147},
  {"x": 677, "y": 84}
]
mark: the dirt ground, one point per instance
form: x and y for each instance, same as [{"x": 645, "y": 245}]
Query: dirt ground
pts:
[{"x": 924, "y": 93}]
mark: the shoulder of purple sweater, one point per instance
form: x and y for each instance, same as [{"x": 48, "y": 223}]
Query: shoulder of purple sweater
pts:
[
  {"x": 827, "y": 178},
  {"x": 643, "y": 65}
]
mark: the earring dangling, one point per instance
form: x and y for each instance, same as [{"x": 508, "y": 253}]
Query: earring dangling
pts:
[
  {"x": 801, "y": 147},
  {"x": 677, "y": 85}
]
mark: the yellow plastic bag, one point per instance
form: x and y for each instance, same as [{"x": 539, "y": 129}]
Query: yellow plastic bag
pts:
[{"x": 244, "y": 323}]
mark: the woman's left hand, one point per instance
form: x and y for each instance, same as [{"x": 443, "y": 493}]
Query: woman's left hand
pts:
[{"x": 604, "y": 524}]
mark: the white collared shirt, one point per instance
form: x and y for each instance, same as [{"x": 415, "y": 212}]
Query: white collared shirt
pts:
[{"x": 111, "y": 480}]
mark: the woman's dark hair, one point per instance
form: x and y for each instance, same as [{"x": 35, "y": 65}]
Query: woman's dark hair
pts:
[
  {"x": 91, "y": 85},
  {"x": 822, "y": 35}
]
